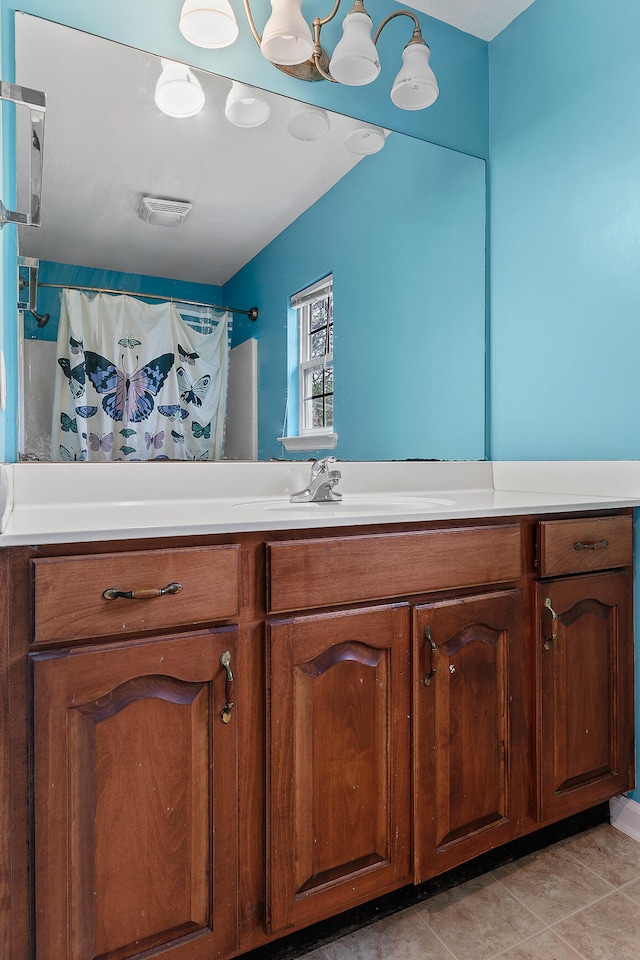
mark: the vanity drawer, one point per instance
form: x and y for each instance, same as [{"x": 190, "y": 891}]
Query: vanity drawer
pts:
[
  {"x": 317, "y": 573},
  {"x": 69, "y": 601},
  {"x": 578, "y": 546}
]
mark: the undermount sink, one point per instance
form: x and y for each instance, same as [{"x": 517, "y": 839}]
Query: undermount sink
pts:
[{"x": 354, "y": 503}]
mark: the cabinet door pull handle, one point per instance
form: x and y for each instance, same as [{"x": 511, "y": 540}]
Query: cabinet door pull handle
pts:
[
  {"x": 225, "y": 661},
  {"x": 147, "y": 594},
  {"x": 431, "y": 672},
  {"x": 593, "y": 545},
  {"x": 554, "y": 624}
]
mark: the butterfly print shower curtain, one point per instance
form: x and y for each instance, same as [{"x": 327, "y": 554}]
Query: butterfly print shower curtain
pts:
[{"x": 135, "y": 382}]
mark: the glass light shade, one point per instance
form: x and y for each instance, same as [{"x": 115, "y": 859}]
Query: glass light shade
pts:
[
  {"x": 286, "y": 38},
  {"x": 365, "y": 139},
  {"x": 416, "y": 86},
  {"x": 208, "y": 23},
  {"x": 355, "y": 59},
  {"x": 244, "y": 106},
  {"x": 178, "y": 91},
  {"x": 308, "y": 123}
]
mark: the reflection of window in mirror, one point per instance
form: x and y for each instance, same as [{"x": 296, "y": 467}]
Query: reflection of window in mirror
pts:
[{"x": 313, "y": 313}]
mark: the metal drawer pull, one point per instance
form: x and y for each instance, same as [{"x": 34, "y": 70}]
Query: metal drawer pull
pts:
[
  {"x": 554, "y": 624},
  {"x": 148, "y": 594},
  {"x": 225, "y": 713},
  {"x": 599, "y": 545},
  {"x": 428, "y": 677}
]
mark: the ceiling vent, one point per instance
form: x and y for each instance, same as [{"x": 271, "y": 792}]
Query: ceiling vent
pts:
[{"x": 164, "y": 213}]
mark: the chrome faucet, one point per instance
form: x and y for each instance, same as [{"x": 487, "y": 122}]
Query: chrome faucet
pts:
[{"x": 321, "y": 484}]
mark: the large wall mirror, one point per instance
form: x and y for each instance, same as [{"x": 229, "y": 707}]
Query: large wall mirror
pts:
[{"x": 401, "y": 231}]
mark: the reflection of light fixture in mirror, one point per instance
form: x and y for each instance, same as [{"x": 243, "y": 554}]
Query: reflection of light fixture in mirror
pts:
[
  {"x": 245, "y": 107},
  {"x": 289, "y": 43},
  {"x": 365, "y": 139},
  {"x": 308, "y": 123},
  {"x": 178, "y": 91},
  {"x": 208, "y": 23}
]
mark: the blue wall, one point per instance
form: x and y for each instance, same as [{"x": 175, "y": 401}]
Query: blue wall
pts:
[
  {"x": 565, "y": 234},
  {"x": 404, "y": 235}
]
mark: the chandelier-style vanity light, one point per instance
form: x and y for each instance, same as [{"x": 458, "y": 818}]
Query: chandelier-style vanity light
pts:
[{"x": 289, "y": 43}]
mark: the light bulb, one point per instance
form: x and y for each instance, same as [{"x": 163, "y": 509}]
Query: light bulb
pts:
[
  {"x": 244, "y": 106},
  {"x": 355, "y": 58},
  {"x": 286, "y": 38},
  {"x": 178, "y": 92},
  {"x": 208, "y": 23},
  {"x": 415, "y": 86}
]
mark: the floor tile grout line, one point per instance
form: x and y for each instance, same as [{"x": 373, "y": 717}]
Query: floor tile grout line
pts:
[
  {"x": 586, "y": 906},
  {"x": 431, "y": 930},
  {"x": 599, "y": 875},
  {"x": 568, "y": 944},
  {"x": 503, "y": 953}
]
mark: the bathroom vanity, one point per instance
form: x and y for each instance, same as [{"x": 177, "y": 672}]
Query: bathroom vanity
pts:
[{"x": 213, "y": 736}]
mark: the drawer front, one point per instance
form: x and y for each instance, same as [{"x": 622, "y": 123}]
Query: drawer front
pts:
[
  {"x": 70, "y": 605},
  {"x": 316, "y": 573},
  {"x": 578, "y": 546}
]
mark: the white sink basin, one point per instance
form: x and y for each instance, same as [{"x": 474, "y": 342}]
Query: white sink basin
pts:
[{"x": 373, "y": 503}]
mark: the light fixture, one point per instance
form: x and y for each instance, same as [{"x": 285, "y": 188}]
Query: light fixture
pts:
[
  {"x": 308, "y": 122},
  {"x": 355, "y": 60},
  {"x": 365, "y": 139},
  {"x": 245, "y": 107},
  {"x": 286, "y": 38},
  {"x": 292, "y": 46},
  {"x": 416, "y": 86},
  {"x": 178, "y": 91},
  {"x": 208, "y": 23}
]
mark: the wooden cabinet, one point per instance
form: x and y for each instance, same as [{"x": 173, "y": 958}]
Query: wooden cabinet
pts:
[
  {"x": 405, "y": 698},
  {"x": 135, "y": 814},
  {"x": 470, "y": 699},
  {"x": 339, "y": 746},
  {"x": 585, "y": 650}
]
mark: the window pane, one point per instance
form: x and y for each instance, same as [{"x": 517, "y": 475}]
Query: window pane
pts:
[
  {"x": 318, "y": 344},
  {"x": 317, "y": 415},
  {"x": 328, "y": 411},
  {"x": 320, "y": 313},
  {"x": 328, "y": 380},
  {"x": 317, "y": 383}
]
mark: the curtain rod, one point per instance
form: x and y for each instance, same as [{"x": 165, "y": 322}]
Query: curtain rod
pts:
[{"x": 252, "y": 312}]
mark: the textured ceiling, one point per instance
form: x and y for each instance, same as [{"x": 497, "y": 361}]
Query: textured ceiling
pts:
[{"x": 482, "y": 18}]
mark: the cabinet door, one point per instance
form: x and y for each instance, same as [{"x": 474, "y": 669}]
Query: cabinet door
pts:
[
  {"x": 339, "y": 753},
  {"x": 472, "y": 750},
  {"x": 133, "y": 764},
  {"x": 586, "y": 668}
]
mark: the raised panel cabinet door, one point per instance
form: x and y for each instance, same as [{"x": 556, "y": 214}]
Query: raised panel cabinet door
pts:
[
  {"x": 585, "y": 651},
  {"x": 338, "y": 795},
  {"x": 136, "y": 800},
  {"x": 470, "y": 696}
]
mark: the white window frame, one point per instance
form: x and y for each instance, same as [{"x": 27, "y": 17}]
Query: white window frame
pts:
[{"x": 302, "y": 303}]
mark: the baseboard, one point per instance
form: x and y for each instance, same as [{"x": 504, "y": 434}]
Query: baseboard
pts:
[{"x": 625, "y": 816}]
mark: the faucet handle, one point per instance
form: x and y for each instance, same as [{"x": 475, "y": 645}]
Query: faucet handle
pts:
[{"x": 322, "y": 465}]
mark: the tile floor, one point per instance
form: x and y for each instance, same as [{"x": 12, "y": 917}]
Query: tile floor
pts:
[{"x": 576, "y": 900}]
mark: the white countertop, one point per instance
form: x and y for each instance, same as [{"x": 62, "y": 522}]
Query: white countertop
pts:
[{"x": 60, "y": 503}]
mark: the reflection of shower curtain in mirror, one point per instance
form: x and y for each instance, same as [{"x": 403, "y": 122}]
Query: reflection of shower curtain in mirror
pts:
[{"x": 136, "y": 382}]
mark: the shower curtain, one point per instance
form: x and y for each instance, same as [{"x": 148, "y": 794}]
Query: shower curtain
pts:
[{"x": 135, "y": 382}]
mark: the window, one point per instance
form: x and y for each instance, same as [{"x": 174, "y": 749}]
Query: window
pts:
[{"x": 314, "y": 310}]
